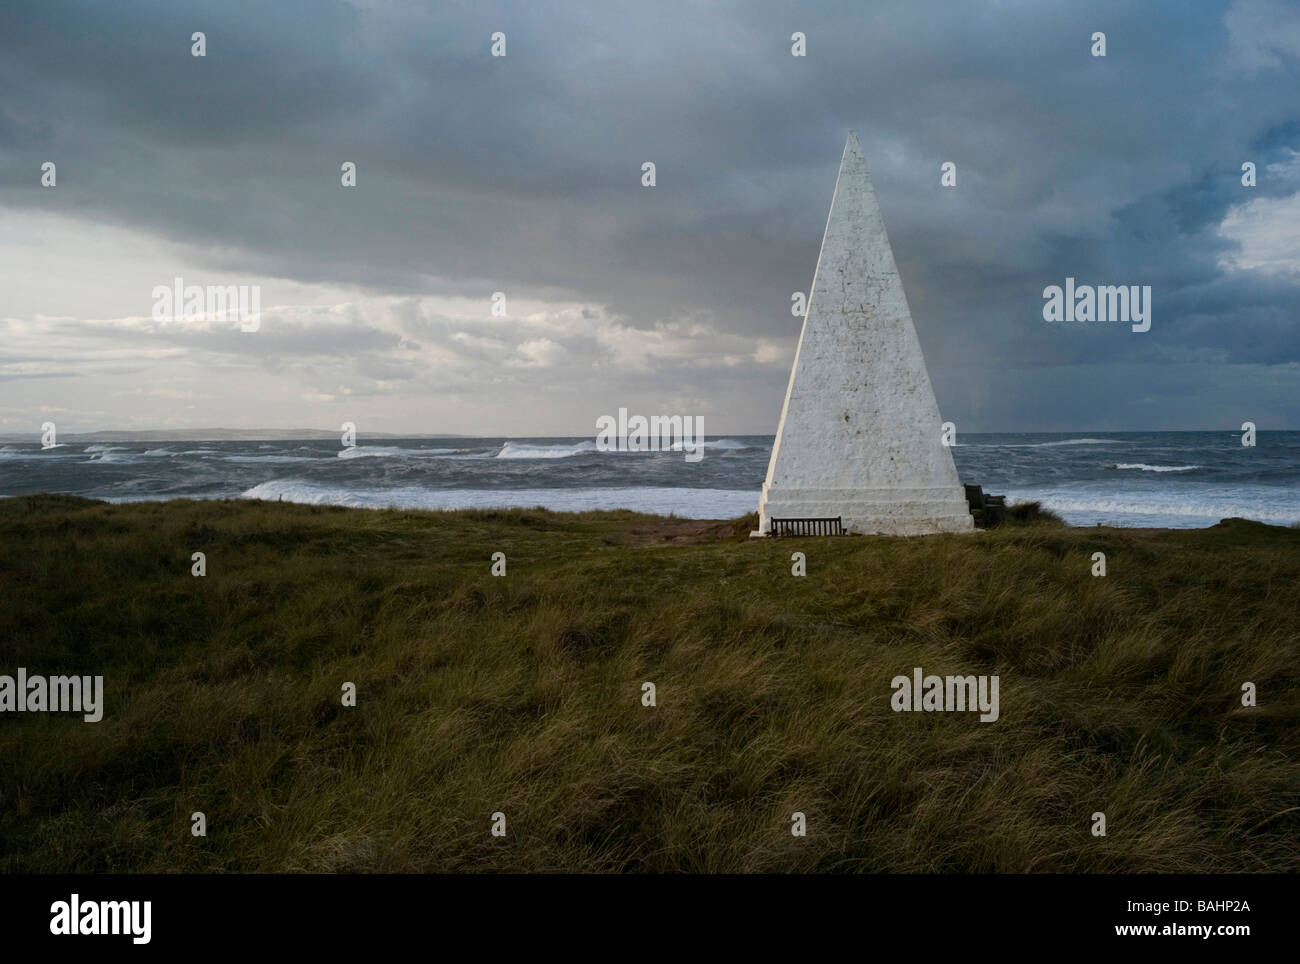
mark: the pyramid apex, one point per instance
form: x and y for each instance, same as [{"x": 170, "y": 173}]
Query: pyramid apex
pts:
[{"x": 853, "y": 160}]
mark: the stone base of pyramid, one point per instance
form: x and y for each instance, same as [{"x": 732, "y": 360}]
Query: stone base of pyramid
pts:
[{"x": 891, "y": 512}]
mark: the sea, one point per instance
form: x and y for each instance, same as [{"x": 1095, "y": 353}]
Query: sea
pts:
[{"x": 1137, "y": 479}]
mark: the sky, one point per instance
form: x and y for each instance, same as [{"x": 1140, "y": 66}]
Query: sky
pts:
[{"x": 522, "y": 174}]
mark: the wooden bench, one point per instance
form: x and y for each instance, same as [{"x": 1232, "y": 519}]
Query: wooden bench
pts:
[
  {"x": 808, "y": 527},
  {"x": 988, "y": 510}
]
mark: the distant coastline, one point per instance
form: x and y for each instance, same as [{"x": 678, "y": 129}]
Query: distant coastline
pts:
[{"x": 212, "y": 435}]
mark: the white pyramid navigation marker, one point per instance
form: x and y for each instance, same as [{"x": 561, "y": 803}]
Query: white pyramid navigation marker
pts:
[{"x": 860, "y": 435}]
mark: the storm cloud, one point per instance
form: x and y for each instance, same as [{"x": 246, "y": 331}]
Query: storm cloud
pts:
[{"x": 522, "y": 174}]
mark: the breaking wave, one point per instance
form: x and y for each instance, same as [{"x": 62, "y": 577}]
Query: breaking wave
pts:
[
  {"x": 685, "y": 503},
  {"x": 522, "y": 450},
  {"x": 719, "y": 443},
  {"x": 1143, "y": 467},
  {"x": 1169, "y": 509},
  {"x": 396, "y": 452},
  {"x": 1048, "y": 445},
  {"x": 1077, "y": 441}
]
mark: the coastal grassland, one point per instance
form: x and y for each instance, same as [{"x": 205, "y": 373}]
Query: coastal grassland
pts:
[{"x": 522, "y": 694}]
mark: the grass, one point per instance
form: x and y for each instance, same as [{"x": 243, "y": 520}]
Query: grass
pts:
[
  {"x": 1023, "y": 513},
  {"x": 522, "y": 694}
]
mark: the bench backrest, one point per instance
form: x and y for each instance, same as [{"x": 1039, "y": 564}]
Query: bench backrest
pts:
[{"x": 808, "y": 527}]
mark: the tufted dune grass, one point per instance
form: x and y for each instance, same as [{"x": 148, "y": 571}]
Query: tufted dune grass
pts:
[{"x": 523, "y": 694}]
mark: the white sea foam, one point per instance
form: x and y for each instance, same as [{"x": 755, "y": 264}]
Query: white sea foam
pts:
[
  {"x": 1047, "y": 445},
  {"x": 372, "y": 451},
  {"x": 717, "y": 443},
  {"x": 1186, "y": 506},
  {"x": 526, "y": 450},
  {"x": 1142, "y": 466},
  {"x": 522, "y": 450},
  {"x": 106, "y": 448},
  {"x": 1078, "y": 441},
  {"x": 116, "y": 456},
  {"x": 397, "y": 452},
  {"x": 686, "y": 503}
]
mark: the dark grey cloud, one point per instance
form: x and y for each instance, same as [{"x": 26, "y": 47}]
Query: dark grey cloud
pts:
[{"x": 522, "y": 174}]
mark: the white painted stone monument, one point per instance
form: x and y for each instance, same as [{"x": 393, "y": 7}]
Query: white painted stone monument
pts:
[{"x": 860, "y": 435}]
